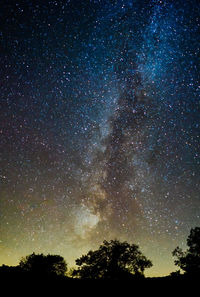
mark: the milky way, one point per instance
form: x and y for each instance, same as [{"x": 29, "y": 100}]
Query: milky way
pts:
[{"x": 99, "y": 126}]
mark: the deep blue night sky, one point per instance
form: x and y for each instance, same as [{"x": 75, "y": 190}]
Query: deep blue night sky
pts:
[{"x": 99, "y": 126}]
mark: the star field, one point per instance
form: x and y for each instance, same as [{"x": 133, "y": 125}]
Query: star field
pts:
[{"x": 99, "y": 126}]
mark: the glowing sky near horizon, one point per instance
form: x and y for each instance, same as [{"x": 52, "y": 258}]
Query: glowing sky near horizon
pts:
[{"x": 99, "y": 126}]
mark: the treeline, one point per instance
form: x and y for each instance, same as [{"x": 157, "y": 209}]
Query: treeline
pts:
[{"x": 113, "y": 260}]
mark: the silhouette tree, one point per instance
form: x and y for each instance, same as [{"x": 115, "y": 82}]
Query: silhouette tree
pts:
[
  {"x": 189, "y": 261},
  {"x": 41, "y": 264},
  {"x": 113, "y": 260}
]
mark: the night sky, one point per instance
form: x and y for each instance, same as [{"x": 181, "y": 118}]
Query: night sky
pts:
[{"x": 99, "y": 127}]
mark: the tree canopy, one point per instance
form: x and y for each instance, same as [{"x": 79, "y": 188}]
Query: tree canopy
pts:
[
  {"x": 113, "y": 260},
  {"x": 41, "y": 264},
  {"x": 189, "y": 260}
]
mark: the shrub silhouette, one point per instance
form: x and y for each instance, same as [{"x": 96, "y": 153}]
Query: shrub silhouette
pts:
[
  {"x": 45, "y": 265},
  {"x": 113, "y": 260},
  {"x": 189, "y": 261}
]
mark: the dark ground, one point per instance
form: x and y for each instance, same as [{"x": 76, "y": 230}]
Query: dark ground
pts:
[{"x": 27, "y": 284}]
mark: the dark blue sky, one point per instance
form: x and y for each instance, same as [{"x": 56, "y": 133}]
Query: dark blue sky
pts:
[{"x": 99, "y": 126}]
